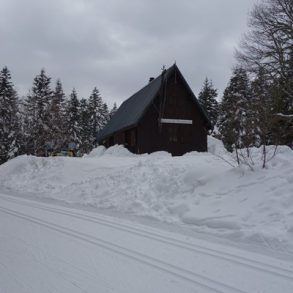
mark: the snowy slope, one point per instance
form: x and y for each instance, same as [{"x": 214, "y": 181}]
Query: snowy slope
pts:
[{"x": 200, "y": 190}]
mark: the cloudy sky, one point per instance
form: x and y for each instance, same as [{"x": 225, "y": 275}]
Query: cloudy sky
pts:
[{"x": 117, "y": 45}]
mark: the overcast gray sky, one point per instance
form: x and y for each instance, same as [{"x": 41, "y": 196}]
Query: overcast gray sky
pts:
[{"x": 117, "y": 45}]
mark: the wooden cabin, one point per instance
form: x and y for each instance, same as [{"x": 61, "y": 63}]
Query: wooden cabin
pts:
[{"x": 163, "y": 116}]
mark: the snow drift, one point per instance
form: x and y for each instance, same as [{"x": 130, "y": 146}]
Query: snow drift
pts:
[{"x": 201, "y": 190}]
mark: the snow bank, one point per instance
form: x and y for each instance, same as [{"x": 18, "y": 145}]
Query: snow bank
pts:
[
  {"x": 216, "y": 146},
  {"x": 116, "y": 151},
  {"x": 201, "y": 190},
  {"x": 97, "y": 152}
]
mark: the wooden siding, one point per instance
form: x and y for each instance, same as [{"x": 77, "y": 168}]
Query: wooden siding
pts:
[
  {"x": 127, "y": 137},
  {"x": 174, "y": 138}
]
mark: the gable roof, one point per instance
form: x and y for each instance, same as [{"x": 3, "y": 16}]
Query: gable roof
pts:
[{"x": 131, "y": 111}]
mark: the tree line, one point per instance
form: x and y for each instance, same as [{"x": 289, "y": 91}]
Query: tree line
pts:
[
  {"x": 257, "y": 105},
  {"x": 46, "y": 120}
]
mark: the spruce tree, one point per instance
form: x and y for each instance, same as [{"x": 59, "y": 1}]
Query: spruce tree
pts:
[
  {"x": 261, "y": 108},
  {"x": 207, "y": 99},
  {"x": 57, "y": 117},
  {"x": 282, "y": 114},
  {"x": 283, "y": 106},
  {"x": 268, "y": 47},
  {"x": 105, "y": 115},
  {"x": 37, "y": 115},
  {"x": 85, "y": 135},
  {"x": 234, "y": 122},
  {"x": 9, "y": 117},
  {"x": 113, "y": 111},
  {"x": 73, "y": 129},
  {"x": 97, "y": 115}
]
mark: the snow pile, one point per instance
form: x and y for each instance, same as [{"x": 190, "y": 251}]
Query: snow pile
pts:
[
  {"x": 115, "y": 151},
  {"x": 216, "y": 146},
  {"x": 201, "y": 190},
  {"x": 118, "y": 151},
  {"x": 97, "y": 152}
]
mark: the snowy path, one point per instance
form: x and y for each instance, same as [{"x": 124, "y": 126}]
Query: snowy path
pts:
[{"x": 48, "y": 248}]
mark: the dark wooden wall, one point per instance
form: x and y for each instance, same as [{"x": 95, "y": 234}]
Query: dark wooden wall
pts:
[
  {"x": 174, "y": 138},
  {"x": 126, "y": 137}
]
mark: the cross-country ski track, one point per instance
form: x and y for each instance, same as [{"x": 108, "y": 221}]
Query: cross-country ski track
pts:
[{"x": 50, "y": 248}]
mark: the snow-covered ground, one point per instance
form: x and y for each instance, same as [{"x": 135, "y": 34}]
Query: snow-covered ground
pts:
[
  {"x": 89, "y": 238},
  {"x": 200, "y": 190},
  {"x": 48, "y": 248}
]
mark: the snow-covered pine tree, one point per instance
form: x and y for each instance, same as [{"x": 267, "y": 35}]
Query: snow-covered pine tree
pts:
[
  {"x": 288, "y": 86},
  {"x": 105, "y": 115},
  {"x": 57, "y": 117},
  {"x": 282, "y": 93},
  {"x": 262, "y": 112},
  {"x": 261, "y": 107},
  {"x": 37, "y": 109},
  {"x": 268, "y": 45},
  {"x": 85, "y": 136},
  {"x": 73, "y": 128},
  {"x": 113, "y": 111},
  {"x": 9, "y": 117},
  {"x": 207, "y": 99},
  {"x": 97, "y": 114},
  {"x": 29, "y": 121},
  {"x": 234, "y": 121}
]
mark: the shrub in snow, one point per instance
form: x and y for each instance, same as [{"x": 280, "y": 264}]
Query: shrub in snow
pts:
[{"x": 258, "y": 157}]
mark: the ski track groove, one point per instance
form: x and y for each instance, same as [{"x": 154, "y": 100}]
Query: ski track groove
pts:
[
  {"x": 181, "y": 273},
  {"x": 257, "y": 265}
]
